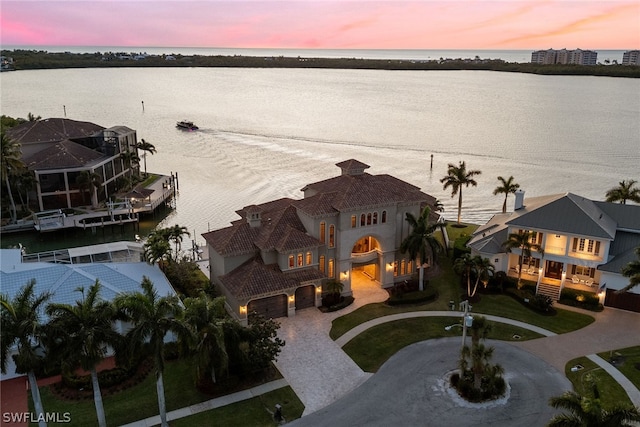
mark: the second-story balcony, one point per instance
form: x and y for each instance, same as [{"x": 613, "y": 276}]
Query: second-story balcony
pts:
[{"x": 362, "y": 257}]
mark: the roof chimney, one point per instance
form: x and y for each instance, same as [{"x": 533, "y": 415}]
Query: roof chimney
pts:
[
  {"x": 253, "y": 216},
  {"x": 519, "y": 203}
]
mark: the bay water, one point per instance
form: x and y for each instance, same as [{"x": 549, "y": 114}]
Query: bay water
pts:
[{"x": 265, "y": 133}]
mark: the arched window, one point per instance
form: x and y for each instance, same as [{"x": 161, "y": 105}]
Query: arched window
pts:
[
  {"x": 332, "y": 236},
  {"x": 353, "y": 221},
  {"x": 323, "y": 227},
  {"x": 384, "y": 217},
  {"x": 369, "y": 218},
  {"x": 321, "y": 264},
  {"x": 362, "y": 220},
  {"x": 410, "y": 267},
  {"x": 375, "y": 218},
  {"x": 403, "y": 268},
  {"x": 291, "y": 264},
  {"x": 395, "y": 268},
  {"x": 332, "y": 272},
  {"x": 309, "y": 258},
  {"x": 299, "y": 260}
]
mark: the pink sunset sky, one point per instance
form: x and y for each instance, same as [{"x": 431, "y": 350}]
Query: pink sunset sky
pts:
[{"x": 328, "y": 24}]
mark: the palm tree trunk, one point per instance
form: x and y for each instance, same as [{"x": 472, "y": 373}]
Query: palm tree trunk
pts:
[
  {"x": 14, "y": 215},
  {"x": 161, "y": 402},
  {"x": 504, "y": 205},
  {"x": 37, "y": 401},
  {"x": 97, "y": 398},
  {"x": 459, "y": 204}
]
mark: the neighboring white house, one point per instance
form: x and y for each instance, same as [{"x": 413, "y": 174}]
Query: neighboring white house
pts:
[
  {"x": 586, "y": 243},
  {"x": 276, "y": 258},
  {"x": 61, "y": 278}
]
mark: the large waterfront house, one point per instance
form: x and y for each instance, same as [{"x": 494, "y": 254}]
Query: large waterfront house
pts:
[
  {"x": 58, "y": 151},
  {"x": 118, "y": 266},
  {"x": 585, "y": 245},
  {"x": 277, "y": 256}
]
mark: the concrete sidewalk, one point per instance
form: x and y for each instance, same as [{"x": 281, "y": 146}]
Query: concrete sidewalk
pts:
[{"x": 211, "y": 404}]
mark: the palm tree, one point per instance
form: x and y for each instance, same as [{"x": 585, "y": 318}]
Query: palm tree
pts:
[
  {"x": 456, "y": 177},
  {"x": 625, "y": 190},
  {"x": 483, "y": 268},
  {"x": 21, "y": 325},
  {"x": 522, "y": 241},
  {"x": 157, "y": 248},
  {"x": 587, "y": 411},
  {"x": 464, "y": 265},
  {"x": 130, "y": 158},
  {"x": 90, "y": 181},
  {"x": 421, "y": 241},
  {"x": 632, "y": 271},
  {"x": 206, "y": 317},
  {"x": 152, "y": 318},
  {"x": 175, "y": 234},
  {"x": 507, "y": 187},
  {"x": 11, "y": 164},
  {"x": 84, "y": 331},
  {"x": 147, "y": 147}
]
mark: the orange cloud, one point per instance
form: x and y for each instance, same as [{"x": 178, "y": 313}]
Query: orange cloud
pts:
[{"x": 580, "y": 25}]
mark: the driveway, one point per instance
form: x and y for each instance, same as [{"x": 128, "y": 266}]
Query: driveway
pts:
[{"x": 411, "y": 389}]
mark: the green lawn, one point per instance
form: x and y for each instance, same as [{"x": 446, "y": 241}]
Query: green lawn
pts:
[
  {"x": 256, "y": 412},
  {"x": 376, "y": 345},
  {"x": 611, "y": 392},
  {"x": 630, "y": 364},
  {"x": 453, "y": 231},
  {"x": 135, "y": 403}
]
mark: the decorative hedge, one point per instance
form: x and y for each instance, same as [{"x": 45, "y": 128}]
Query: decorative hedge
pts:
[{"x": 580, "y": 299}]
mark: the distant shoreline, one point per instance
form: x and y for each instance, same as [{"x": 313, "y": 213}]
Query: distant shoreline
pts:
[{"x": 41, "y": 60}]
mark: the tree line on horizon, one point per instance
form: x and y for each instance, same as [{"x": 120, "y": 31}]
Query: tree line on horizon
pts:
[{"x": 34, "y": 59}]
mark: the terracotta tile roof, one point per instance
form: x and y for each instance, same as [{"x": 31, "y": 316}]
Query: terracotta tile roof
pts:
[
  {"x": 301, "y": 275},
  {"x": 235, "y": 240},
  {"x": 280, "y": 229},
  {"x": 254, "y": 279},
  {"x": 63, "y": 155},
  {"x": 350, "y": 192},
  {"x": 52, "y": 130}
]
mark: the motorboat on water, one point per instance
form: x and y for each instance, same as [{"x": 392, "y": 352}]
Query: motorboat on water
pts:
[{"x": 186, "y": 125}]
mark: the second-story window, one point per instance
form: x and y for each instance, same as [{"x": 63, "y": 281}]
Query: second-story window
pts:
[
  {"x": 375, "y": 218},
  {"x": 291, "y": 264},
  {"x": 353, "y": 221},
  {"x": 321, "y": 264},
  {"x": 323, "y": 231},
  {"x": 383, "y": 219},
  {"x": 332, "y": 236},
  {"x": 299, "y": 260},
  {"x": 309, "y": 258}
]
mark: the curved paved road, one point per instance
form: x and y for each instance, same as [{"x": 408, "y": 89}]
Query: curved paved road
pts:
[{"x": 411, "y": 389}]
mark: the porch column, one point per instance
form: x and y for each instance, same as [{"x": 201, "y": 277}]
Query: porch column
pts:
[
  {"x": 540, "y": 273},
  {"x": 564, "y": 277},
  {"x": 386, "y": 269}
]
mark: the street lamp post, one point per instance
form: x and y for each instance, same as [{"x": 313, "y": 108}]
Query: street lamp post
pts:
[{"x": 467, "y": 319}]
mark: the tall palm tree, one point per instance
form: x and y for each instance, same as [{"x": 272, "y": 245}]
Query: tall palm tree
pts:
[
  {"x": 456, "y": 177},
  {"x": 84, "y": 331},
  {"x": 522, "y": 241},
  {"x": 130, "y": 159},
  {"x": 483, "y": 268},
  {"x": 152, "y": 318},
  {"x": 206, "y": 317},
  {"x": 157, "y": 248},
  {"x": 147, "y": 147},
  {"x": 587, "y": 411},
  {"x": 11, "y": 164},
  {"x": 506, "y": 187},
  {"x": 421, "y": 241},
  {"x": 632, "y": 271},
  {"x": 21, "y": 325},
  {"x": 89, "y": 181},
  {"x": 176, "y": 234},
  {"x": 626, "y": 190},
  {"x": 464, "y": 265}
]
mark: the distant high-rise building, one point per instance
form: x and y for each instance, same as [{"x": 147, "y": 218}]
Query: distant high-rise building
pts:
[
  {"x": 631, "y": 57},
  {"x": 564, "y": 56}
]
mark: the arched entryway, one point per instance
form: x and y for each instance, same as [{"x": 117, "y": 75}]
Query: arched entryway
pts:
[{"x": 365, "y": 265}]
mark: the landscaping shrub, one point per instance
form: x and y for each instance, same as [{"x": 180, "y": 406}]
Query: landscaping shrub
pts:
[
  {"x": 580, "y": 299},
  {"x": 415, "y": 297}
]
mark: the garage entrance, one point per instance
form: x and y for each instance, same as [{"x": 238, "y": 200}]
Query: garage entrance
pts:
[
  {"x": 305, "y": 297},
  {"x": 270, "y": 307}
]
